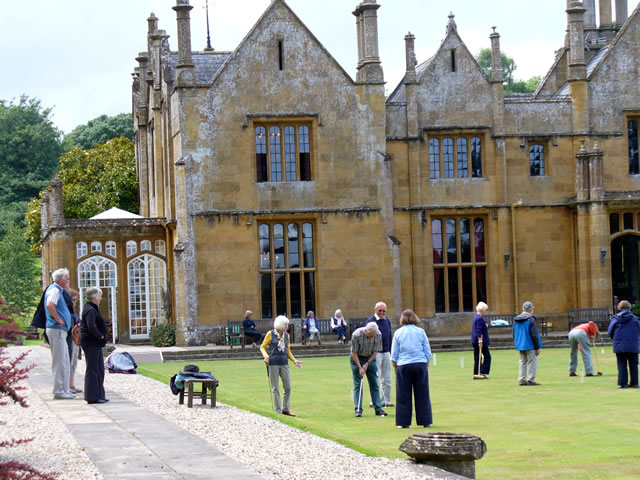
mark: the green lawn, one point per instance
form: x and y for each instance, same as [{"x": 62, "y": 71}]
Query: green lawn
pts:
[{"x": 563, "y": 429}]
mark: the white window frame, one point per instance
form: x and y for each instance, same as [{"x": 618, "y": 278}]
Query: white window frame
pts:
[{"x": 145, "y": 296}]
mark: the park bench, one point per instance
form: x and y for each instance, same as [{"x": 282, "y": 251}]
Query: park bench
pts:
[
  {"x": 31, "y": 333},
  {"x": 600, "y": 316},
  {"x": 325, "y": 328},
  {"x": 508, "y": 317},
  {"x": 234, "y": 333}
]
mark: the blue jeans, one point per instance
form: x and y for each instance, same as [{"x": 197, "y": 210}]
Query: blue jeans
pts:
[
  {"x": 339, "y": 331},
  {"x": 372, "y": 379}
]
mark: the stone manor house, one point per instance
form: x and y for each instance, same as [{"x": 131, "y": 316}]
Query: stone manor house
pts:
[{"x": 272, "y": 180}]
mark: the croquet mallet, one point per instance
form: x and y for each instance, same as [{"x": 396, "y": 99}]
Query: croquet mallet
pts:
[
  {"x": 595, "y": 354},
  {"x": 478, "y": 376}
]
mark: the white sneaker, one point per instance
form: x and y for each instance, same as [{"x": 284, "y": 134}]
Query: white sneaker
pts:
[{"x": 64, "y": 396}]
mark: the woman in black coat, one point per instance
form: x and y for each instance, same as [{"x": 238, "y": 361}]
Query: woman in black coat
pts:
[{"x": 93, "y": 333}]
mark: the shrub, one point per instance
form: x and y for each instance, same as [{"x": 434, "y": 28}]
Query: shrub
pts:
[{"x": 163, "y": 335}]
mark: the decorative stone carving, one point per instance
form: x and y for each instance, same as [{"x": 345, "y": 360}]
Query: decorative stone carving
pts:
[{"x": 453, "y": 452}]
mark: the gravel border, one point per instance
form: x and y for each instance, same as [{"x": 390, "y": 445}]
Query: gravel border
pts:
[{"x": 269, "y": 448}]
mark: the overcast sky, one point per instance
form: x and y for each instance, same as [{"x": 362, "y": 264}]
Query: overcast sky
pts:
[{"x": 77, "y": 55}]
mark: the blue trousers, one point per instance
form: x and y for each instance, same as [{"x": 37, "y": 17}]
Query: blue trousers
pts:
[
  {"x": 413, "y": 377},
  {"x": 630, "y": 359},
  {"x": 372, "y": 378}
]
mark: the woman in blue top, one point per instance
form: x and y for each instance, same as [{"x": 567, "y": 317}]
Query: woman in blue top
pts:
[
  {"x": 480, "y": 341},
  {"x": 624, "y": 330},
  {"x": 410, "y": 356}
]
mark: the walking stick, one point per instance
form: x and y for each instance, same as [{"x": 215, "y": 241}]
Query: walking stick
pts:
[
  {"x": 595, "y": 354},
  {"x": 270, "y": 389}
]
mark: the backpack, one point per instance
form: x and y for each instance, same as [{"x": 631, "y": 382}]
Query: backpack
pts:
[{"x": 40, "y": 317}]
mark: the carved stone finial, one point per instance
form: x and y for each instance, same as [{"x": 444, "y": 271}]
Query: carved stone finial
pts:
[{"x": 452, "y": 24}]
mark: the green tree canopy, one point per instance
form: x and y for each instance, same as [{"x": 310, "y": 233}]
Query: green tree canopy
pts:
[
  {"x": 511, "y": 85},
  {"x": 19, "y": 270},
  {"x": 93, "y": 180},
  {"x": 29, "y": 150},
  {"x": 99, "y": 131}
]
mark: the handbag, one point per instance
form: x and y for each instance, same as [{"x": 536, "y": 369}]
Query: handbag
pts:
[{"x": 75, "y": 334}]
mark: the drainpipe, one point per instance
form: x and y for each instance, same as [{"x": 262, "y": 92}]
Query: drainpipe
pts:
[{"x": 514, "y": 259}]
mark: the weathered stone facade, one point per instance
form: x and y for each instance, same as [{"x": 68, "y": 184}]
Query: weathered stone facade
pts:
[{"x": 525, "y": 184}]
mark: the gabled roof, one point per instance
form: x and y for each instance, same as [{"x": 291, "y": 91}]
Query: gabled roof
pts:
[
  {"x": 273, "y": 5},
  {"x": 399, "y": 96},
  {"x": 206, "y": 64},
  {"x": 114, "y": 213}
]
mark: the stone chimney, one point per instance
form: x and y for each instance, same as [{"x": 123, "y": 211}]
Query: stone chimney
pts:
[
  {"x": 497, "y": 82},
  {"x": 410, "y": 58},
  {"x": 185, "y": 70},
  {"x": 369, "y": 65},
  {"x": 578, "y": 85},
  {"x": 621, "y": 13},
  {"x": 605, "y": 14},
  {"x": 56, "y": 203},
  {"x": 590, "y": 15}
]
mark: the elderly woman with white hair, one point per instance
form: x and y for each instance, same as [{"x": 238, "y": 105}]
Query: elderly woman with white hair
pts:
[
  {"x": 93, "y": 336},
  {"x": 276, "y": 351},
  {"x": 339, "y": 325},
  {"x": 480, "y": 341}
]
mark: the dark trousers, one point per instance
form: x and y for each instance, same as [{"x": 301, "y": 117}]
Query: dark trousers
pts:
[
  {"x": 486, "y": 362},
  {"x": 339, "y": 332},
  {"x": 253, "y": 334},
  {"x": 413, "y": 377},
  {"x": 94, "y": 376},
  {"x": 630, "y": 359}
]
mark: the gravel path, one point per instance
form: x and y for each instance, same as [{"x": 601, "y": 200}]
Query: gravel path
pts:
[{"x": 270, "y": 448}]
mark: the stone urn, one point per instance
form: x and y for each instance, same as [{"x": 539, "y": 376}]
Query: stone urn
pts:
[{"x": 453, "y": 452}]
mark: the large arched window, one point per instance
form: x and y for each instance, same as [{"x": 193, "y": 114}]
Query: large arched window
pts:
[
  {"x": 101, "y": 272},
  {"x": 147, "y": 289}
]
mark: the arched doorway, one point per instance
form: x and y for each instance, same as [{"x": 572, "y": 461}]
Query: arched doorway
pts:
[
  {"x": 625, "y": 267},
  {"x": 98, "y": 271},
  {"x": 147, "y": 276}
]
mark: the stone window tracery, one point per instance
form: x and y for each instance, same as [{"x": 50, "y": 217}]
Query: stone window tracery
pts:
[
  {"x": 283, "y": 152},
  {"x": 132, "y": 248},
  {"x": 81, "y": 249},
  {"x": 287, "y": 268},
  {"x": 459, "y": 263},
  {"x": 110, "y": 248},
  {"x": 455, "y": 156}
]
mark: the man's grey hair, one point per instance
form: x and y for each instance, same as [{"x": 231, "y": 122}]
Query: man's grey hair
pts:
[
  {"x": 372, "y": 327},
  {"x": 92, "y": 293},
  {"x": 59, "y": 274},
  {"x": 527, "y": 305},
  {"x": 381, "y": 304},
  {"x": 280, "y": 323}
]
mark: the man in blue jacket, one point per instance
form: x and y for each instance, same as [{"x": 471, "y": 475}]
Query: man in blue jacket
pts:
[{"x": 527, "y": 341}]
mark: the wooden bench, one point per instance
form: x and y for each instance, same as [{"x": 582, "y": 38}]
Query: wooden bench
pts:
[
  {"x": 600, "y": 316},
  {"x": 207, "y": 391},
  {"x": 509, "y": 318},
  {"x": 234, "y": 333},
  {"x": 31, "y": 333}
]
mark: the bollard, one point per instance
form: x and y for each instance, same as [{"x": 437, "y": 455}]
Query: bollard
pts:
[{"x": 453, "y": 452}]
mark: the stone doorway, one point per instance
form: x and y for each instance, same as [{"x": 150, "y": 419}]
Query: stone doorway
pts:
[{"x": 625, "y": 267}]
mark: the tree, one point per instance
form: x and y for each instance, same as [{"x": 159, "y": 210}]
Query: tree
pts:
[
  {"x": 93, "y": 180},
  {"x": 18, "y": 270},
  {"x": 511, "y": 85},
  {"x": 29, "y": 151},
  {"x": 99, "y": 131},
  {"x": 508, "y": 64}
]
